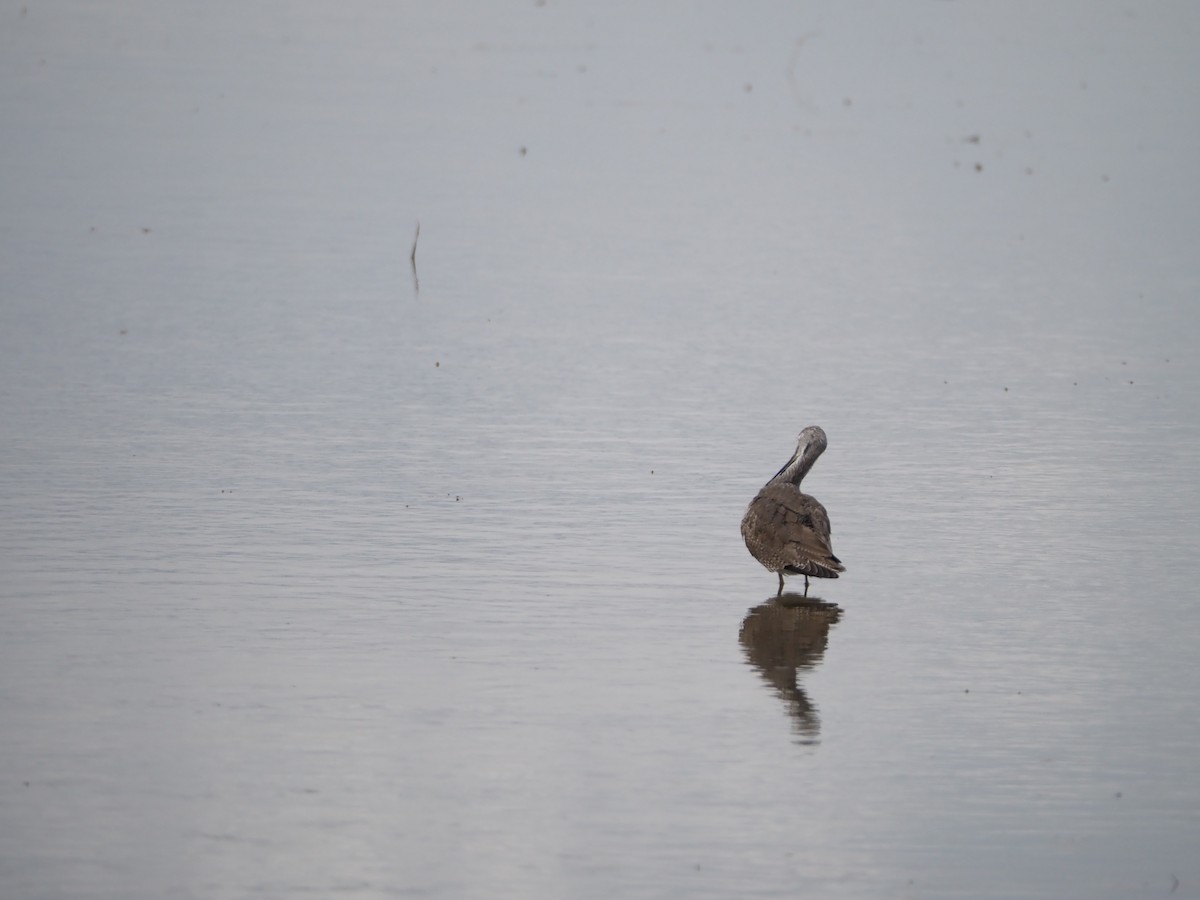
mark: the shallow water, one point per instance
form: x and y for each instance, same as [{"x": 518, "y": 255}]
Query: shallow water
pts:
[{"x": 324, "y": 575}]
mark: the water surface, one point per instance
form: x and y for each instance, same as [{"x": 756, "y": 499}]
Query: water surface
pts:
[{"x": 323, "y": 578}]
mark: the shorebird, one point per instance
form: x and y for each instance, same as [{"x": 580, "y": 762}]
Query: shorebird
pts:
[{"x": 787, "y": 530}]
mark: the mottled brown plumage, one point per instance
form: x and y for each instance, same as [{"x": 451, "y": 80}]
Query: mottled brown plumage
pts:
[{"x": 787, "y": 530}]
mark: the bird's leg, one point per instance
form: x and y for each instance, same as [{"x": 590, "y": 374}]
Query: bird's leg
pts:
[
  {"x": 780, "y": 585},
  {"x": 805, "y": 585}
]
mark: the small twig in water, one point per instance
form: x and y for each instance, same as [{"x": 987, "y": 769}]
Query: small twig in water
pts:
[{"x": 412, "y": 258}]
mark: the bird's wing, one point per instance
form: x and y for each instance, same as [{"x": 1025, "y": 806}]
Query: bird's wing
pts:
[{"x": 798, "y": 524}]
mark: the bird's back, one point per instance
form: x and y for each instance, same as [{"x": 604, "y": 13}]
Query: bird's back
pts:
[{"x": 788, "y": 531}]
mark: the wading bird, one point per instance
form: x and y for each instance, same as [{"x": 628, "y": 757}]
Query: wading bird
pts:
[{"x": 786, "y": 530}]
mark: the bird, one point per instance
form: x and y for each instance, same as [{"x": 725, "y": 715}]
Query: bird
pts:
[{"x": 787, "y": 530}]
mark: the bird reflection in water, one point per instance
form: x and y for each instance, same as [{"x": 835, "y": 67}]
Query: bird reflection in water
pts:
[{"x": 783, "y": 636}]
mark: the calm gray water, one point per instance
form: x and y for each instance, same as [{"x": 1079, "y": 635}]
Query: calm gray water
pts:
[{"x": 322, "y": 576}]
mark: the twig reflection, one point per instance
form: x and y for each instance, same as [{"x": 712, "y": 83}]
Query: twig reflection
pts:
[{"x": 783, "y": 636}]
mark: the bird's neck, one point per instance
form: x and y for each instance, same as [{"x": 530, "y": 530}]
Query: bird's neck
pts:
[{"x": 794, "y": 472}]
